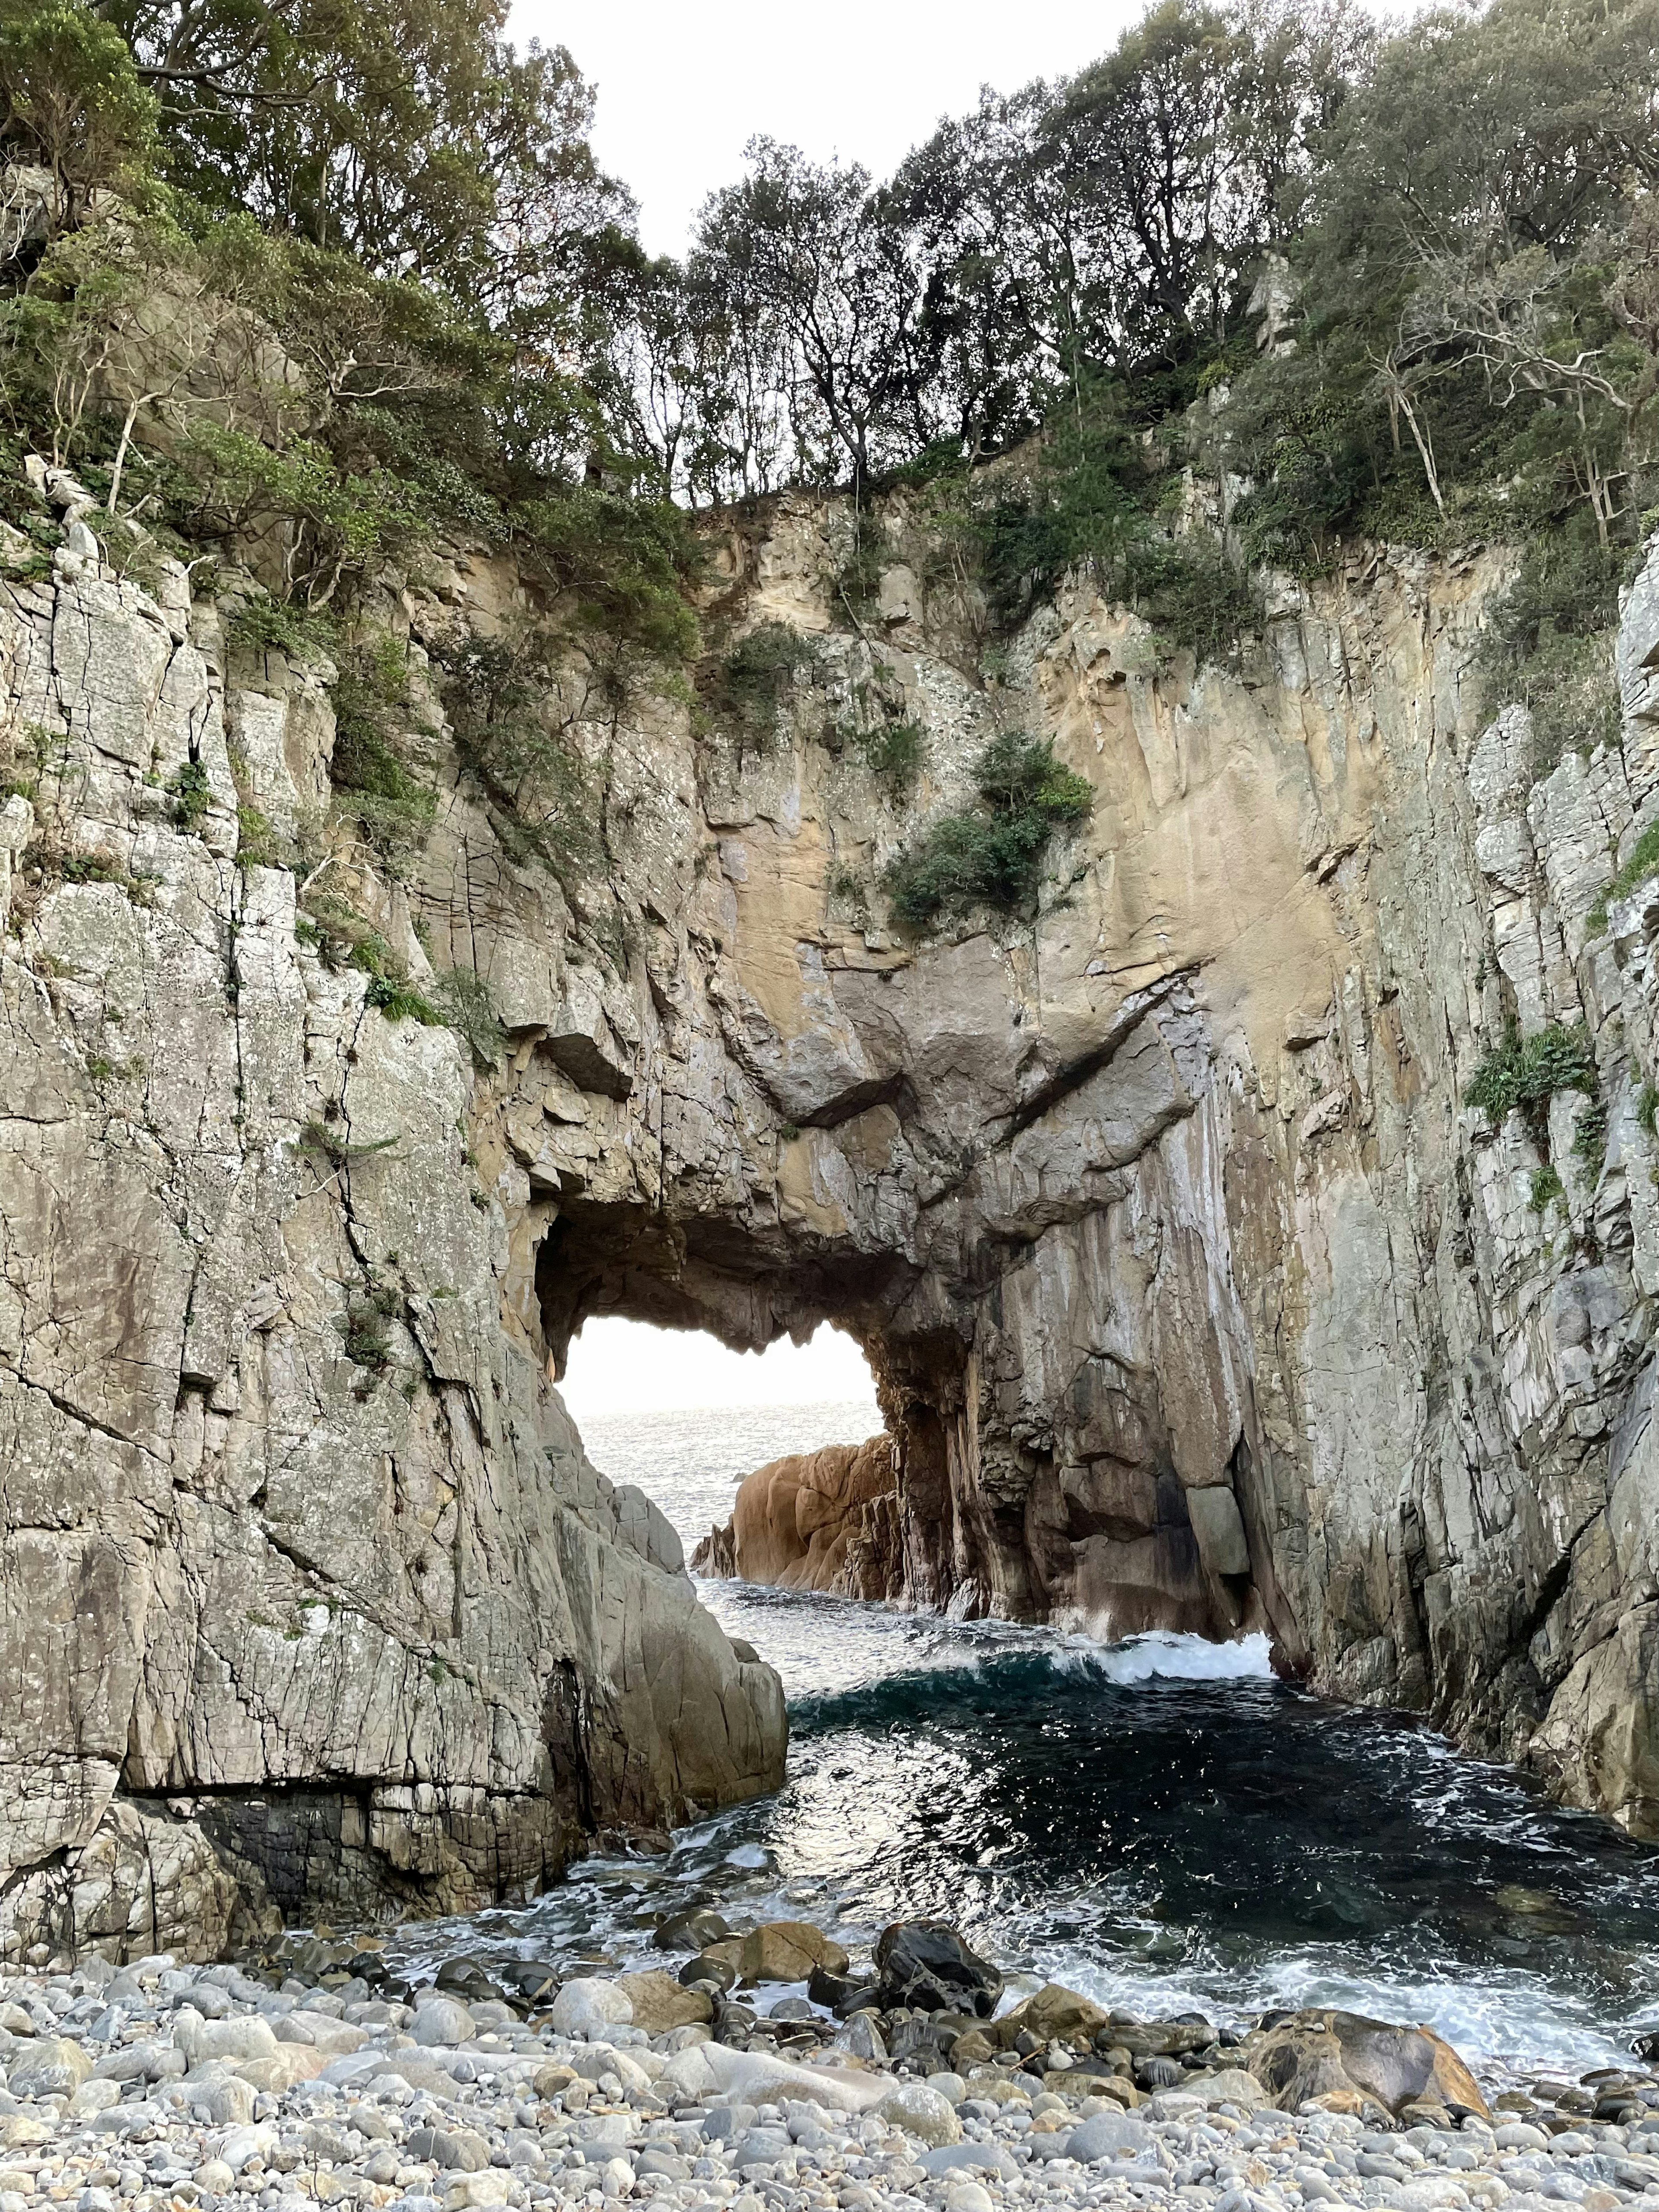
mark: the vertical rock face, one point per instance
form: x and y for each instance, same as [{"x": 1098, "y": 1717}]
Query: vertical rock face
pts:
[
  {"x": 826, "y": 1520},
  {"x": 1197, "y": 1296},
  {"x": 309, "y": 1600}
]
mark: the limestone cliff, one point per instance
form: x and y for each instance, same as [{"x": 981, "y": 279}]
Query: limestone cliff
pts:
[{"x": 1196, "y": 1296}]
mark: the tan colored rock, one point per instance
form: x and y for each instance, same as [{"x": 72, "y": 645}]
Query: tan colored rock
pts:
[
  {"x": 822, "y": 1521},
  {"x": 779, "y": 1951},
  {"x": 1053, "y": 2013},
  {"x": 660, "y": 2002},
  {"x": 1317, "y": 2055}
]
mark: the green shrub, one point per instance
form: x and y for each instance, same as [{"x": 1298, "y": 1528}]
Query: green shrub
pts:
[
  {"x": 393, "y": 805},
  {"x": 1525, "y": 1073},
  {"x": 1647, "y": 1106},
  {"x": 468, "y": 1005},
  {"x": 893, "y": 752},
  {"x": 191, "y": 795},
  {"x": 744, "y": 691},
  {"x": 1589, "y": 1136},
  {"x": 495, "y": 693},
  {"x": 1643, "y": 862},
  {"x": 346, "y": 941},
  {"x": 1546, "y": 1186},
  {"x": 1548, "y": 644},
  {"x": 261, "y": 624},
  {"x": 991, "y": 854},
  {"x": 257, "y": 845},
  {"x": 366, "y": 1342}
]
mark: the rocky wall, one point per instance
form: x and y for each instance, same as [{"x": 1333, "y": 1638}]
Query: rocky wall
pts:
[
  {"x": 1196, "y": 1296},
  {"x": 309, "y": 1601}
]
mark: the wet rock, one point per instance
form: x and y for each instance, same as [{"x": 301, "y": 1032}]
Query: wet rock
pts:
[
  {"x": 710, "y": 1973},
  {"x": 926, "y": 1965},
  {"x": 691, "y": 1931},
  {"x": 779, "y": 1951}
]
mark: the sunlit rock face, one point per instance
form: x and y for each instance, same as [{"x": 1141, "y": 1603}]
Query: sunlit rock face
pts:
[
  {"x": 825, "y": 1520},
  {"x": 1196, "y": 1297}
]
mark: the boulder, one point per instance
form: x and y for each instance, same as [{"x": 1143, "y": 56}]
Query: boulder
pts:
[
  {"x": 921, "y": 2112},
  {"x": 758, "y": 2079},
  {"x": 658, "y": 2002},
  {"x": 926, "y": 1965},
  {"x": 444, "y": 2020},
  {"x": 1053, "y": 2013},
  {"x": 1227, "y": 2085},
  {"x": 779, "y": 1951},
  {"x": 691, "y": 1931},
  {"x": 51, "y": 2066},
  {"x": 820, "y": 1521},
  {"x": 289, "y": 2063},
  {"x": 1108, "y": 2135},
  {"x": 202, "y": 2040},
  {"x": 1300, "y": 2057},
  {"x": 588, "y": 2007}
]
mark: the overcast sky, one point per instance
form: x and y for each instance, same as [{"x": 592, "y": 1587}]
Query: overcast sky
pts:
[
  {"x": 682, "y": 87},
  {"x": 626, "y": 1367}
]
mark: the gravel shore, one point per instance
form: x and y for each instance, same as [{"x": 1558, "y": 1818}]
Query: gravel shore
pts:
[{"x": 163, "y": 2088}]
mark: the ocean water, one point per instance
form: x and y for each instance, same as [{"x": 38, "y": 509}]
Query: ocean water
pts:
[{"x": 1161, "y": 1824}]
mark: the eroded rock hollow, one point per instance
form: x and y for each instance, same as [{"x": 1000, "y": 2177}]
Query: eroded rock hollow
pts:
[{"x": 1197, "y": 1296}]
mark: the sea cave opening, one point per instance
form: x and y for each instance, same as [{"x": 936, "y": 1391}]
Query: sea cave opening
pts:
[{"x": 688, "y": 1419}]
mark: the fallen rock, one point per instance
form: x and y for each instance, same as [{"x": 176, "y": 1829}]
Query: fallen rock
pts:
[
  {"x": 691, "y": 1931},
  {"x": 658, "y": 2003},
  {"x": 819, "y": 1521},
  {"x": 761, "y": 2079},
  {"x": 1227, "y": 2085},
  {"x": 587, "y": 2006},
  {"x": 778, "y": 1951},
  {"x": 444, "y": 2020},
  {"x": 1108, "y": 2135},
  {"x": 202, "y": 2040},
  {"x": 53, "y": 2066},
  {"x": 1313, "y": 2055},
  {"x": 921, "y": 2112},
  {"x": 926, "y": 1965},
  {"x": 1053, "y": 2013}
]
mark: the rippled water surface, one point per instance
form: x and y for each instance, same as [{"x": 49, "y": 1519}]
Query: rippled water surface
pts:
[{"x": 1161, "y": 1824}]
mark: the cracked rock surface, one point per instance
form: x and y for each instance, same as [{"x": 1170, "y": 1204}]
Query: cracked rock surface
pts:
[{"x": 1197, "y": 1296}]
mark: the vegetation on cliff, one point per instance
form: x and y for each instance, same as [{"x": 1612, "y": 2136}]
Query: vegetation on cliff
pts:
[{"x": 305, "y": 286}]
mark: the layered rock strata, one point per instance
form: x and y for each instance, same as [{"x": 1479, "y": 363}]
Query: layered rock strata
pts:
[
  {"x": 310, "y": 1602},
  {"x": 826, "y": 1520},
  {"x": 1197, "y": 1296}
]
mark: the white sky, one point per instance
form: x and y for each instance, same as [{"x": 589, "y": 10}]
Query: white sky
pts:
[
  {"x": 682, "y": 87},
  {"x": 627, "y": 1367}
]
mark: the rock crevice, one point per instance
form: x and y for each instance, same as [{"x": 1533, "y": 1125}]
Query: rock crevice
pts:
[{"x": 1197, "y": 1296}]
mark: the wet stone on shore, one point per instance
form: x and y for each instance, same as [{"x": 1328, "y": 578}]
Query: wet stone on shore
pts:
[{"x": 316, "y": 2076}]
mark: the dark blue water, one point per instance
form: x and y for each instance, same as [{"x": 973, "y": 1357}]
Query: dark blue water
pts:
[{"x": 1162, "y": 1825}]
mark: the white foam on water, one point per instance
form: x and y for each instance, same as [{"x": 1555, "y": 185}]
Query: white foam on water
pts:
[{"x": 1162, "y": 1656}]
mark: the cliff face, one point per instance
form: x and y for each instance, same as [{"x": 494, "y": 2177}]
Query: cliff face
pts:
[
  {"x": 309, "y": 1601},
  {"x": 826, "y": 1520},
  {"x": 1196, "y": 1297}
]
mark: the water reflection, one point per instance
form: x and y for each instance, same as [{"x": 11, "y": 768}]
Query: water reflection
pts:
[{"x": 1162, "y": 1825}]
